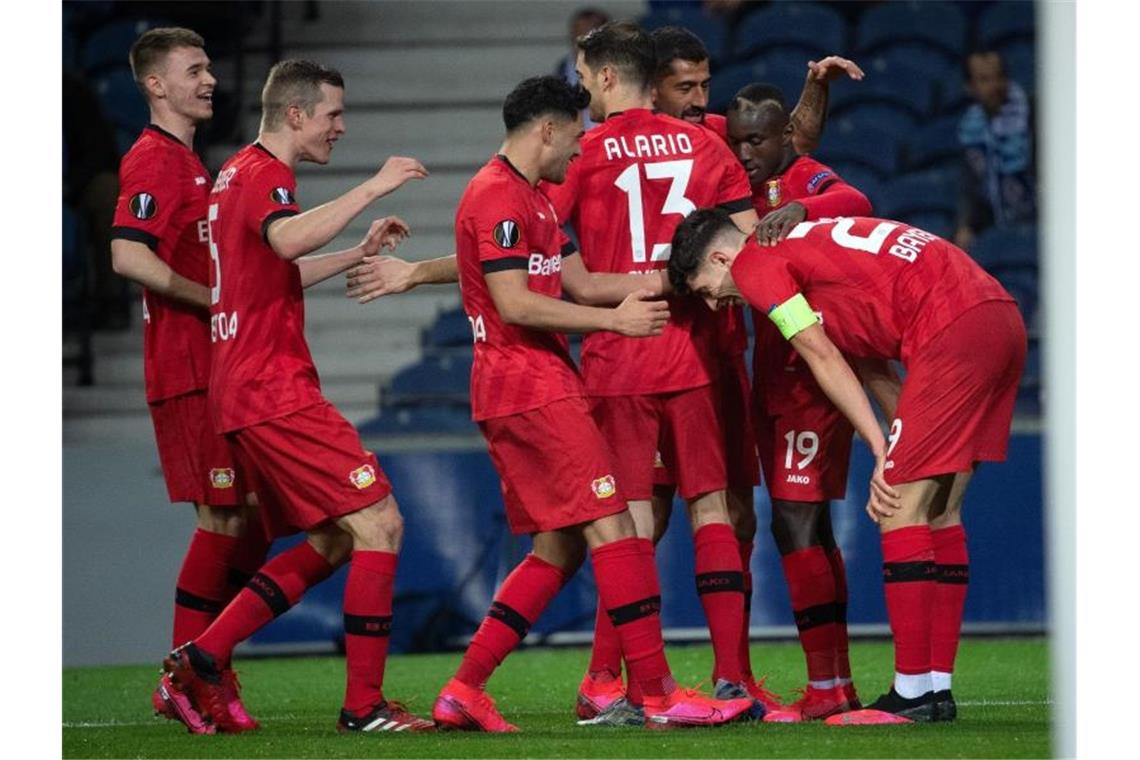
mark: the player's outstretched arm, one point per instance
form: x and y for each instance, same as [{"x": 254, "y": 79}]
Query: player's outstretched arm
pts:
[
  {"x": 382, "y": 233},
  {"x": 517, "y": 304},
  {"x": 838, "y": 381},
  {"x": 294, "y": 236},
  {"x": 378, "y": 276},
  {"x": 881, "y": 381},
  {"x": 138, "y": 263},
  {"x": 605, "y": 288},
  {"x": 810, "y": 113}
]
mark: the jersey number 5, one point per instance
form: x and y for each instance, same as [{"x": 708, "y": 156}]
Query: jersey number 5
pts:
[
  {"x": 629, "y": 182},
  {"x": 216, "y": 288}
]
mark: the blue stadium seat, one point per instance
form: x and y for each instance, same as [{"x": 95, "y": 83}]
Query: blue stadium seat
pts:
[
  {"x": 123, "y": 104},
  {"x": 916, "y": 57},
  {"x": 937, "y": 24},
  {"x": 786, "y": 73},
  {"x": 807, "y": 29},
  {"x": 888, "y": 80},
  {"x": 861, "y": 178},
  {"x": 712, "y": 29},
  {"x": 920, "y": 192},
  {"x": 451, "y": 328},
  {"x": 108, "y": 45},
  {"x": 439, "y": 378},
  {"x": 1022, "y": 284},
  {"x": 1005, "y": 21},
  {"x": 935, "y": 143},
  {"x": 417, "y": 419},
  {"x": 1020, "y": 61},
  {"x": 940, "y": 223},
  {"x": 1028, "y": 403},
  {"x": 950, "y": 94},
  {"x": 850, "y": 140},
  {"x": 888, "y": 118},
  {"x": 1006, "y": 247}
]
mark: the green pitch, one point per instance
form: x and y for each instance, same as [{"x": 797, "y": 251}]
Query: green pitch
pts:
[{"x": 1002, "y": 689}]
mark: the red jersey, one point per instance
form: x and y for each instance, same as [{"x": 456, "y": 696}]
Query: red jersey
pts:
[
  {"x": 504, "y": 223},
  {"x": 163, "y": 188},
  {"x": 817, "y": 187},
  {"x": 884, "y": 288},
  {"x": 717, "y": 124},
  {"x": 639, "y": 175},
  {"x": 262, "y": 368}
]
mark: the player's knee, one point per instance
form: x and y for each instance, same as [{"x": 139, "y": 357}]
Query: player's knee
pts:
[
  {"x": 331, "y": 543},
  {"x": 227, "y": 521},
  {"x": 377, "y": 527},
  {"x": 709, "y": 509},
  {"x": 793, "y": 526}
]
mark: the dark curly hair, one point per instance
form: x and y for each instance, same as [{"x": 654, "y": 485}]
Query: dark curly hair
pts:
[
  {"x": 539, "y": 96},
  {"x": 691, "y": 242}
]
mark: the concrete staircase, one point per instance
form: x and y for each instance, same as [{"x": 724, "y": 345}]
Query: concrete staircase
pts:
[{"x": 423, "y": 79}]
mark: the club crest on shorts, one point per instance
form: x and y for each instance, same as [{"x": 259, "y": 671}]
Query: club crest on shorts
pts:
[
  {"x": 283, "y": 196},
  {"x": 658, "y": 462},
  {"x": 143, "y": 206},
  {"x": 604, "y": 487},
  {"x": 222, "y": 477},
  {"x": 506, "y": 233},
  {"x": 362, "y": 477},
  {"x": 773, "y": 192}
]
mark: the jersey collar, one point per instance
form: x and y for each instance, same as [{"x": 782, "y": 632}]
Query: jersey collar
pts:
[
  {"x": 512, "y": 167},
  {"x": 164, "y": 133}
]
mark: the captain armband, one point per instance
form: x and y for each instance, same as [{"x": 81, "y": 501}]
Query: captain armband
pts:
[{"x": 793, "y": 316}]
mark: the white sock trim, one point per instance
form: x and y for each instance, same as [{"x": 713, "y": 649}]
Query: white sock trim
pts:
[
  {"x": 912, "y": 686},
  {"x": 941, "y": 680}
]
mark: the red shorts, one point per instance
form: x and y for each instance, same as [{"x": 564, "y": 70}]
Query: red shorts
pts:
[
  {"x": 958, "y": 396},
  {"x": 684, "y": 427},
  {"x": 197, "y": 463},
  {"x": 555, "y": 466},
  {"x": 804, "y": 441},
  {"x": 734, "y": 395},
  {"x": 312, "y": 467}
]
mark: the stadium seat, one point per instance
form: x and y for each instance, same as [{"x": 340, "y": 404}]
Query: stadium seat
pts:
[
  {"x": 853, "y": 141},
  {"x": 450, "y": 328},
  {"x": 1020, "y": 60},
  {"x": 1022, "y": 284},
  {"x": 940, "y": 25},
  {"x": 802, "y": 29},
  {"x": 932, "y": 144},
  {"x": 938, "y": 223},
  {"x": 916, "y": 57},
  {"x": 859, "y": 177},
  {"x": 440, "y": 378},
  {"x": 950, "y": 94},
  {"x": 108, "y": 45},
  {"x": 1006, "y": 21},
  {"x": 888, "y": 80},
  {"x": 887, "y": 118},
  {"x": 419, "y": 419},
  {"x": 123, "y": 104},
  {"x": 787, "y": 73},
  {"x": 712, "y": 29},
  {"x": 1006, "y": 247},
  {"x": 928, "y": 191}
]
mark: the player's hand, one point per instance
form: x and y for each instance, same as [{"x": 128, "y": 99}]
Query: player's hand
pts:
[
  {"x": 377, "y": 276},
  {"x": 636, "y": 317},
  {"x": 387, "y": 232},
  {"x": 776, "y": 225},
  {"x": 885, "y": 501},
  {"x": 833, "y": 67},
  {"x": 396, "y": 171}
]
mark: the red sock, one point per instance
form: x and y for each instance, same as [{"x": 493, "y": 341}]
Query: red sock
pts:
[
  {"x": 606, "y": 653},
  {"x": 247, "y": 557},
  {"x": 745, "y": 548},
  {"x": 908, "y": 582},
  {"x": 720, "y": 585},
  {"x": 367, "y": 627},
  {"x": 627, "y": 585},
  {"x": 632, "y": 686},
  {"x": 811, "y": 586},
  {"x": 953, "y": 567},
  {"x": 521, "y": 599},
  {"x": 839, "y": 573},
  {"x": 270, "y": 592},
  {"x": 201, "y": 587}
]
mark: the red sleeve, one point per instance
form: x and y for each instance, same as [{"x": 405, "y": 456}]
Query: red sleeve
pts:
[
  {"x": 564, "y": 197},
  {"x": 734, "y": 194},
  {"x": 836, "y": 198},
  {"x": 270, "y": 195},
  {"x": 765, "y": 280},
  {"x": 148, "y": 197},
  {"x": 498, "y": 224}
]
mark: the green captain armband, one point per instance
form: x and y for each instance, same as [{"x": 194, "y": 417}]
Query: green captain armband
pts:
[{"x": 793, "y": 316}]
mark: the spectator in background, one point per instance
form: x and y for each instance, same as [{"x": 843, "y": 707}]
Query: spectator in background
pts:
[
  {"x": 582, "y": 22},
  {"x": 998, "y": 179}
]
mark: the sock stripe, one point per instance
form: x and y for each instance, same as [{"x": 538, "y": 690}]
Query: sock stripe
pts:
[
  {"x": 813, "y": 617},
  {"x": 237, "y": 578},
  {"x": 627, "y": 613},
  {"x": 509, "y": 617},
  {"x": 368, "y": 625},
  {"x": 270, "y": 593},
  {"x": 908, "y": 572},
  {"x": 713, "y": 583},
  {"x": 184, "y": 598},
  {"x": 953, "y": 574}
]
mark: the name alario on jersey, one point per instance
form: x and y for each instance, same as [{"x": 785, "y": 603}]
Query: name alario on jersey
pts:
[{"x": 647, "y": 146}]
